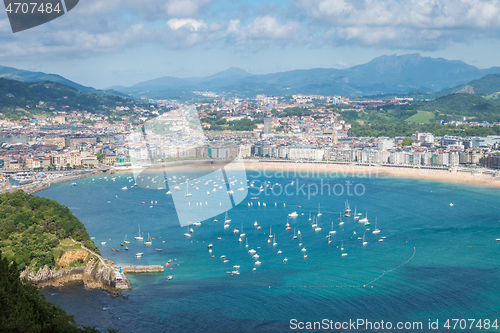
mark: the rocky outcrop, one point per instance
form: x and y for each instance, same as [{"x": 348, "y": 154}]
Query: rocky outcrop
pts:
[{"x": 94, "y": 275}]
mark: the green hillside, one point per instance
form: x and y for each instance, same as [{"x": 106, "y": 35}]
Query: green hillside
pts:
[
  {"x": 27, "y": 96},
  {"x": 32, "y": 229},
  {"x": 486, "y": 85}
]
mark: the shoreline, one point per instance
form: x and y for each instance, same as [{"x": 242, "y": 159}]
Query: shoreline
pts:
[
  {"x": 336, "y": 170},
  {"x": 368, "y": 171}
]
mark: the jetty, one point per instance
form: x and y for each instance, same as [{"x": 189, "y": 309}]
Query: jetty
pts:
[{"x": 142, "y": 269}]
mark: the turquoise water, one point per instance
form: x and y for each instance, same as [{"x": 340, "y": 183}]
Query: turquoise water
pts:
[{"x": 437, "y": 261}]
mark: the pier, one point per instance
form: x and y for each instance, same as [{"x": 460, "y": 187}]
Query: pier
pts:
[{"x": 142, "y": 269}]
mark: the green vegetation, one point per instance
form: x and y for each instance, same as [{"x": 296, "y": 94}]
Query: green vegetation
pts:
[
  {"x": 421, "y": 117},
  {"x": 100, "y": 157},
  {"x": 404, "y": 129},
  {"x": 24, "y": 309},
  {"x": 407, "y": 142},
  {"x": 33, "y": 227},
  {"x": 220, "y": 124},
  {"x": 18, "y": 99},
  {"x": 293, "y": 111}
]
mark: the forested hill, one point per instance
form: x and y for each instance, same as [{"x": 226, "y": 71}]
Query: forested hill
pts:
[
  {"x": 32, "y": 228},
  {"x": 28, "y": 95}
]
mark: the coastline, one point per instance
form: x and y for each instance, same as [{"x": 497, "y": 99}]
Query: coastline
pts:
[
  {"x": 490, "y": 178},
  {"x": 367, "y": 171}
]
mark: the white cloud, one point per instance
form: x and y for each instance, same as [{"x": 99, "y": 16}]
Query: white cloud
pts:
[
  {"x": 263, "y": 29},
  {"x": 191, "y": 24},
  {"x": 411, "y": 23}
]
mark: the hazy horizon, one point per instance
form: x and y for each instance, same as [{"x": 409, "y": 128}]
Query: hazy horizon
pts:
[{"x": 108, "y": 43}]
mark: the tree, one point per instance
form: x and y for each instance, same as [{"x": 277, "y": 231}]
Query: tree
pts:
[
  {"x": 100, "y": 157},
  {"x": 407, "y": 142}
]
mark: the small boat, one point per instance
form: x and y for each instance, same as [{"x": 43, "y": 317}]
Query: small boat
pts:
[
  {"x": 210, "y": 246},
  {"x": 332, "y": 231},
  {"x": 452, "y": 205},
  {"x": 344, "y": 254},
  {"x": 169, "y": 192},
  {"x": 158, "y": 249},
  {"x": 236, "y": 266},
  {"x": 285, "y": 260},
  {"x": 376, "y": 231},
  {"x": 257, "y": 263},
  {"x": 225, "y": 261},
  {"x": 226, "y": 226},
  {"x": 197, "y": 224},
  {"x": 364, "y": 219},
  {"x": 293, "y": 214},
  {"x": 223, "y": 257},
  {"x": 103, "y": 243},
  {"x": 280, "y": 252},
  {"x": 255, "y": 224},
  {"x": 187, "y": 234},
  {"x": 356, "y": 216},
  {"x": 138, "y": 255},
  {"x": 305, "y": 256},
  {"x": 235, "y": 231},
  {"x": 126, "y": 248},
  {"x": 259, "y": 227},
  {"x": 255, "y": 256},
  {"x": 73, "y": 184},
  {"x": 139, "y": 237},
  {"x": 303, "y": 249},
  {"x": 347, "y": 208},
  {"x": 124, "y": 188},
  {"x": 149, "y": 242},
  {"x": 187, "y": 194},
  {"x": 177, "y": 188},
  {"x": 251, "y": 251}
]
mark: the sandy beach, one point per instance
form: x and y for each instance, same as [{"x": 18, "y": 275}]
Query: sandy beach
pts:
[{"x": 361, "y": 171}]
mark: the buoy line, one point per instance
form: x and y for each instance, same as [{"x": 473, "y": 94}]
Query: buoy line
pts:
[{"x": 350, "y": 286}]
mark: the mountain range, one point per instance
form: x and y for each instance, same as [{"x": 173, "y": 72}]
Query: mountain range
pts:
[{"x": 388, "y": 74}]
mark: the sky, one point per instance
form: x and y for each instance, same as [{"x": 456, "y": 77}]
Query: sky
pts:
[{"x": 102, "y": 43}]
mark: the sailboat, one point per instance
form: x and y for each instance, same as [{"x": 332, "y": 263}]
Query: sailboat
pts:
[
  {"x": 314, "y": 225},
  {"x": 319, "y": 212},
  {"x": 125, "y": 240},
  {"x": 149, "y": 242},
  {"x": 356, "y": 216},
  {"x": 364, "y": 219},
  {"x": 227, "y": 220},
  {"x": 309, "y": 216},
  {"x": 294, "y": 236},
  {"x": 342, "y": 246},
  {"x": 317, "y": 227},
  {"x": 347, "y": 210},
  {"x": 187, "y": 234},
  {"x": 187, "y": 191},
  {"x": 332, "y": 231},
  {"x": 270, "y": 232},
  {"x": 139, "y": 237},
  {"x": 246, "y": 245},
  {"x": 274, "y": 241},
  {"x": 364, "y": 242},
  {"x": 300, "y": 241},
  {"x": 341, "y": 222},
  {"x": 376, "y": 231}
]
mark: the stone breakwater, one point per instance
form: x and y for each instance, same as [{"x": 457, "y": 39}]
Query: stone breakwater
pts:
[{"x": 94, "y": 275}]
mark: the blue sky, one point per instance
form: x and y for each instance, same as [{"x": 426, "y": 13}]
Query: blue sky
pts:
[{"x": 101, "y": 43}]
